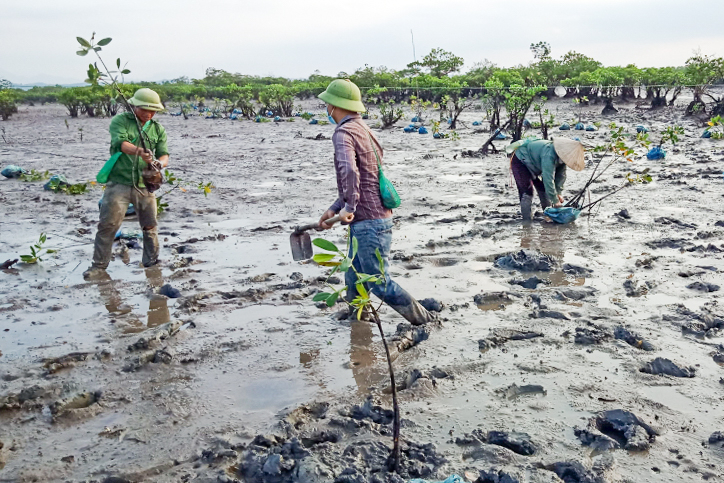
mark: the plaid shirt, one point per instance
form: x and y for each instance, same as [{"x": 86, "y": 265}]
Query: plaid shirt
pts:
[{"x": 355, "y": 163}]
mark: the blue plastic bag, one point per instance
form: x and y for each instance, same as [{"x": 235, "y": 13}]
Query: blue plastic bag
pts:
[
  {"x": 128, "y": 235},
  {"x": 410, "y": 129},
  {"x": 449, "y": 479},
  {"x": 233, "y": 117},
  {"x": 277, "y": 119},
  {"x": 565, "y": 127},
  {"x": 591, "y": 127},
  {"x": 706, "y": 135},
  {"x": 562, "y": 215},
  {"x": 269, "y": 114},
  {"x": 415, "y": 119},
  {"x": 422, "y": 130},
  {"x": 313, "y": 121},
  {"x": 257, "y": 119},
  {"x": 527, "y": 124},
  {"x": 12, "y": 171},
  {"x": 58, "y": 179},
  {"x": 436, "y": 135},
  {"x": 580, "y": 126},
  {"x": 656, "y": 153},
  {"x": 500, "y": 135},
  {"x": 477, "y": 123},
  {"x": 641, "y": 128}
]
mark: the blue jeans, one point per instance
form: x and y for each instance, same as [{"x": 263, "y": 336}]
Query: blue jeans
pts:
[{"x": 377, "y": 234}]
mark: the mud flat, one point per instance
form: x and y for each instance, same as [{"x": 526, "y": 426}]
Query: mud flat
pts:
[{"x": 609, "y": 369}]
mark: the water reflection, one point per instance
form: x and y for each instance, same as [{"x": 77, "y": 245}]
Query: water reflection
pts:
[
  {"x": 157, "y": 313},
  {"x": 552, "y": 239}
]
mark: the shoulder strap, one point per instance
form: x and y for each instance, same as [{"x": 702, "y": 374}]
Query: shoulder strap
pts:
[{"x": 377, "y": 156}]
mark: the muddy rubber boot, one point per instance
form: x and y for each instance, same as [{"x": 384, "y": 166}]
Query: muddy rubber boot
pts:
[
  {"x": 415, "y": 313},
  {"x": 526, "y": 206},
  {"x": 96, "y": 274},
  {"x": 150, "y": 247}
]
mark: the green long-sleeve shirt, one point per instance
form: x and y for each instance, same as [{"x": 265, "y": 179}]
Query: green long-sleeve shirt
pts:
[
  {"x": 123, "y": 128},
  {"x": 541, "y": 160}
]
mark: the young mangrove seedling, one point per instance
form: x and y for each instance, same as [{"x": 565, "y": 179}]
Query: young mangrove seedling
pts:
[
  {"x": 37, "y": 251},
  {"x": 342, "y": 262}
]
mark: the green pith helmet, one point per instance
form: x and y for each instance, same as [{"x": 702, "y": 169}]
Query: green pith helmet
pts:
[
  {"x": 343, "y": 93},
  {"x": 146, "y": 98}
]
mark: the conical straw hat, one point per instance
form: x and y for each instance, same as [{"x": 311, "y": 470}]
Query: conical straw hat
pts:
[{"x": 570, "y": 152}]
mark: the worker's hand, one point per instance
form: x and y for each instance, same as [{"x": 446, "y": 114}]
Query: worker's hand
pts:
[
  {"x": 557, "y": 205},
  {"x": 560, "y": 198},
  {"x": 147, "y": 156},
  {"x": 345, "y": 217},
  {"x": 326, "y": 216}
]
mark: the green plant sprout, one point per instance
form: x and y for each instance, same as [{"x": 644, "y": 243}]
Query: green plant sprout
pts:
[
  {"x": 176, "y": 183},
  {"x": 80, "y": 130},
  {"x": 341, "y": 262},
  {"x": 70, "y": 189},
  {"x": 35, "y": 175},
  {"x": 670, "y": 134},
  {"x": 419, "y": 107},
  {"x": 716, "y": 128},
  {"x": 37, "y": 251}
]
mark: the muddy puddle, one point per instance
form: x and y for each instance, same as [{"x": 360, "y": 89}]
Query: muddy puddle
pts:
[{"x": 112, "y": 379}]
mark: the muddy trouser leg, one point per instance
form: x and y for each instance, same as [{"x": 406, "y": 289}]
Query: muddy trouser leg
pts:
[
  {"x": 377, "y": 234},
  {"x": 115, "y": 203},
  {"x": 524, "y": 183},
  {"x": 145, "y": 204},
  {"x": 541, "y": 190}
]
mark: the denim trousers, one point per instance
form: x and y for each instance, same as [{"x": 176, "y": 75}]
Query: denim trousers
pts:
[
  {"x": 525, "y": 181},
  {"x": 372, "y": 235}
]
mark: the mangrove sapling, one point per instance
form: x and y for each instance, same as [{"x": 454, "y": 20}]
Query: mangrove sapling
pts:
[
  {"x": 37, "y": 251},
  {"x": 580, "y": 102},
  {"x": 547, "y": 119},
  {"x": 2, "y": 130},
  {"x": 58, "y": 186},
  {"x": 362, "y": 304},
  {"x": 419, "y": 107},
  {"x": 389, "y": 114},
  {"x": 616, "y": 150},
  {"x": 172, "y": 183}
]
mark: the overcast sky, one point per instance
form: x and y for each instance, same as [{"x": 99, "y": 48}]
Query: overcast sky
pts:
[{"x": 165, "y": 39}]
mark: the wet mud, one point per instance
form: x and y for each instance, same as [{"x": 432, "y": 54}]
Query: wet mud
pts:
[{"x": 590, "y": 352}]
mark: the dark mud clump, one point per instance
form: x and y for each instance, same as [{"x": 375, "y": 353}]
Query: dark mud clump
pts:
[
  {"x": 703, "y": 287},
  {"x": 571, "y": 293},
  {"x": 431, "y": 305},
  {"x": 514, "y": 391},
  {"x": 632, "y": 339},
  {"x": 500, "y": 336},
  {"x": 517, "y": 442},
  {"x": 527, "y": 261},
  {"x": 495, "y": 476},
  {"x": 626, "y": 428},
  {"x": 492, "y": 301},
  {"x": 716, "y": 438},
  {"x": 276, "y": 460},
  {"x": 574, "y": 472},
  {"x": 661, "y": 366},
  {"x": 635, "y": 289},
  {"x": 595, "y": 439},
  {"x": 591, "y": 335}
]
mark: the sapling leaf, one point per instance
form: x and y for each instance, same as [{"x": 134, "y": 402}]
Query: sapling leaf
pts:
[
  {"x": 323, "y": 257},
  {"x": 83, "y": 42},
  {"x": 118, "y": 62},
  {"x": 355, "y": 246},
  {"x": 362, "y": 290},
  {"x": 332, "y": 299},
  {"x": 321, "y": 296},
  {"x": 329, "y": 264},
  {"x": 97, "y": 49},
  {"x": 380, "y": 260},
  {"x": 104, "y": 42},
  {"x": 344, "y": 266},
  {"x": 82, "y": 52},
  {"x": 325, "y": 245},
  {"x": 125, "y": 71}
]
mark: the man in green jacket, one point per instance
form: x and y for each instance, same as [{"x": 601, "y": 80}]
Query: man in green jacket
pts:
[
  {"x": 125, "y": 183},
  {"x": 542, "y": 164}
]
